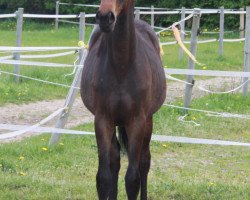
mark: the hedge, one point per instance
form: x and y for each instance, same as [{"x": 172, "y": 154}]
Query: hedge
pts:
[{"x": 48, "y": 6}]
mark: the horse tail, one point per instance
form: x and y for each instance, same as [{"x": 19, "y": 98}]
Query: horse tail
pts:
[{"x": 123, "y": 138}]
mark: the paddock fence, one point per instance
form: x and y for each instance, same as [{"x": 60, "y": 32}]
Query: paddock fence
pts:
[{"x": 64, "y": 112}]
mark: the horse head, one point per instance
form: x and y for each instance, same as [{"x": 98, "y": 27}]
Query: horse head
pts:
[{"x": 108, "y": 12}]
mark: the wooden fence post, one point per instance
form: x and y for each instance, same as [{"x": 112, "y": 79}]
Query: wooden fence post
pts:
[
  {"x": 182, "y": 24},
  {"x": 247, "y": 51},
  {"x": 152, "y": 17},
  {"x": 57, "y": 13},
  {"x": 193, "y": 50},
  {"x": 222, "y": 20},
  {"x": 137, "y": 14},
  {"x": 242, "y": 24},
  {"x": 19, "y": 29},
  {"x": 73, "y": 92}
]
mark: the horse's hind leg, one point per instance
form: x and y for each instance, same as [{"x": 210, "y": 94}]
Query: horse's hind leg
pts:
[
  {"x": 135, "y": 133},
  {"x": 104, "y": 131},
  {"x": 114, "y": 166},
  {"x": 145, "y": 159}
]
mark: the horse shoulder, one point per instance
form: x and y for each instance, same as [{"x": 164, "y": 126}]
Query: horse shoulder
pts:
[{"x": 88, "y": 73}]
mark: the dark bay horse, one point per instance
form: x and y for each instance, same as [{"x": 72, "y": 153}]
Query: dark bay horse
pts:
[{"x": 123, "y": 85}]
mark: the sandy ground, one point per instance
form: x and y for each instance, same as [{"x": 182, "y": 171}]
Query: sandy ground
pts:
[{"x": 32, "y": 113}]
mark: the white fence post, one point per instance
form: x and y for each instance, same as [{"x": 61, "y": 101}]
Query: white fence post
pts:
[
  {"x": 57, "y": 13},
  {"x": 152, "y": 17},
  {"x": 137, "y": 14},
  {"x": 73, "y": 92},
  {"x": 242, "y": 24},
  {"x": 182, "y": 24},
  {"x": 19, "y": 29},
  {"x": 82, "y": 26},
  {"x": 247, "y": 51},
  {"x": 222, "y": 20},
  {"x": 193, "y": 50}
]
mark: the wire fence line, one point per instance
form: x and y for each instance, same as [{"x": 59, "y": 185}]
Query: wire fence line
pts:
[
  {"x": 156, "y": 138},
  {"x": 97, "y": 6},
  {"x": 31, "y": 128},
  {"x": 167, "y": 76},
  {"x": 45, "y": 65},
  {"x": 4, "y": 60},
  {"x": 214, "y": 73},
  {"x": 21, "y": 130},
  {"x": 2, "y": 16},
  {"x": 43, "y": 16},
  {"x": 202, "y": 41},
  {"x": 155, "y": 12},
  {"x": 211, "y": 113},
  {"x": 176, "y": 23},
  {"x": 27, "y": 49},
  {"x": 170, "y": 12},
  {"x": 209, "y": 11},
  {"x": 48, "y": 55},
  {"x": 57, "y": 16},
  {"x": 225, "y": 92},
  {"x": 32, "y": 63},
  {"x": 38, "y": 80},
  {"x": 189, "y": 12},
  {"x": 201, "y": 88},
  {"x": 19, "y": 49},
  {"x": 40, "y": 56}
]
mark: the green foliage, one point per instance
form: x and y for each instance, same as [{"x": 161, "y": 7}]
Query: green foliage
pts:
[
  {"x": 35, "y": 34},
  {"x": 231, "y": 21},
  {"x": 41, "y": 34},
  {"x": 45, "y": 6},
  {"x": 36, "y": 5},
  {"x": 29, "y": 169},
  {"x": 48, "y": 6}
]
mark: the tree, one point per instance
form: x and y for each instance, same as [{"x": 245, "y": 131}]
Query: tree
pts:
[{"x": 48, "y": 6}]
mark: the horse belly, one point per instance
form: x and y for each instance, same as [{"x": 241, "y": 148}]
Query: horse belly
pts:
[{"x": 121, "y": 107}]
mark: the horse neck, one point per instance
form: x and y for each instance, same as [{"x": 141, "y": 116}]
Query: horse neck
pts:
[{"x": 121, "y": 42}]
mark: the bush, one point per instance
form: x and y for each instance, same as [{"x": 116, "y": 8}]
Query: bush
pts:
[{"x": 48, "y": 6}]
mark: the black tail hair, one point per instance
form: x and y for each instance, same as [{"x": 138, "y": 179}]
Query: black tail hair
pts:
[{"x": 123, "y": 139}]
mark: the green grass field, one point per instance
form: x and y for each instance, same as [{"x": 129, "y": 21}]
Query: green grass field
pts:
[
  {"x": 44, "y": 35},
  {"x": 28, "y": 90},
  {"x": 29, "y": 169}
]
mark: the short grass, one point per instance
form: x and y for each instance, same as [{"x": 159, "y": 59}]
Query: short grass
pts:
[
  {"x": 207, "y": 54},
  {"x": 27, "y": 90},
  {"x": 35, "y": 34},
  {"x": 31, "y": 170}
]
